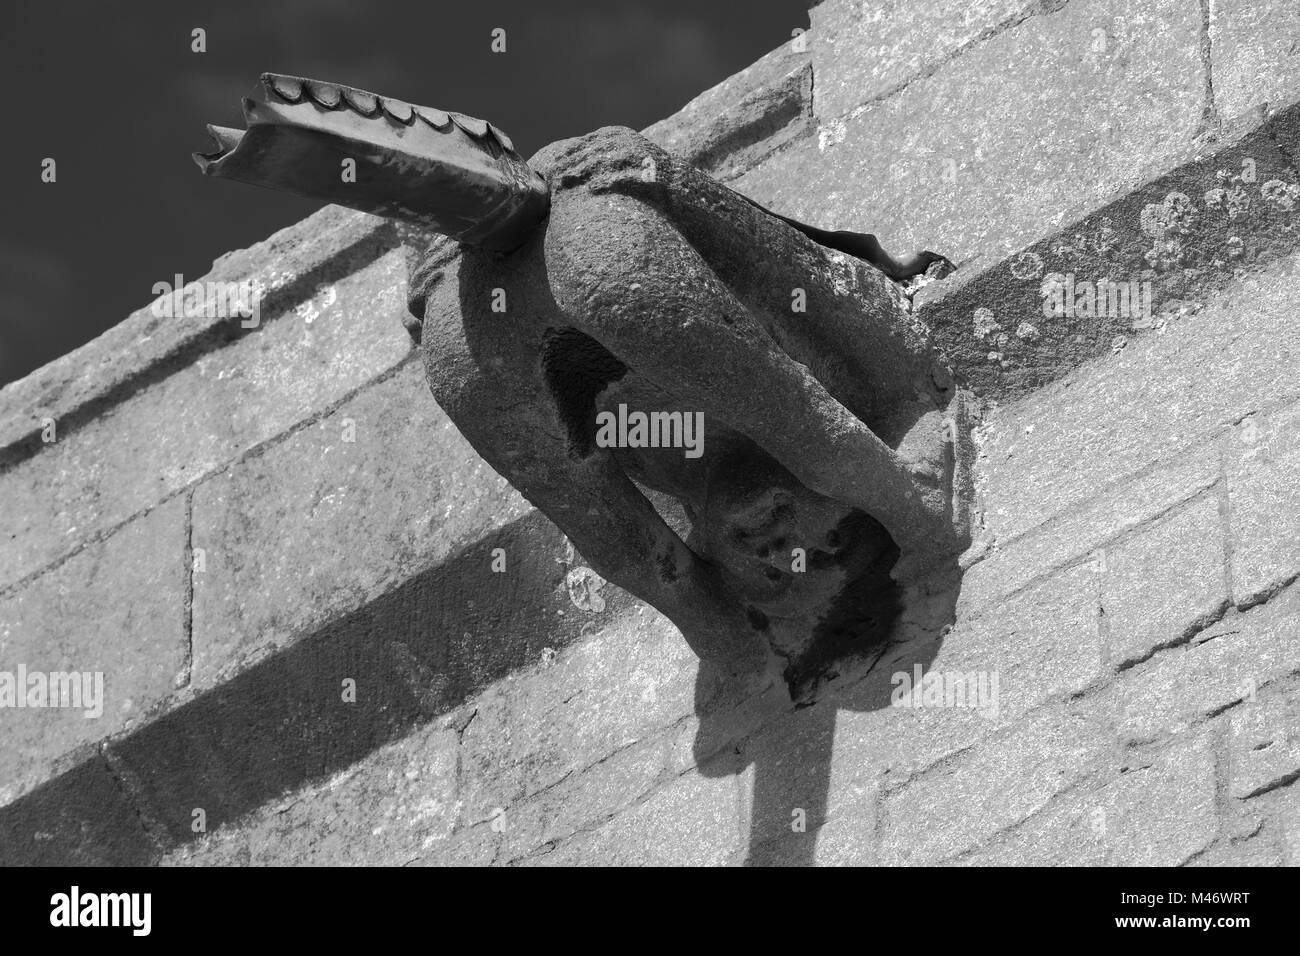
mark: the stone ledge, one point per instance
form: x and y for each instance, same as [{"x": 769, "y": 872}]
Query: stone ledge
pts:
[
  {"x": 193, "y": 421},
  {"x": 735, "y": 125},
  {"x": 144, "y": 348},
  {"x": 1062, "y": 131},
  {"x": 1237, "y": 209}
]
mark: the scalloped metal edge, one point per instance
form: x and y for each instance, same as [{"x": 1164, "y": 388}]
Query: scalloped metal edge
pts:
[
  {"x": 475, "y": 127},
  {"x": 335, "y": 96},
  {"x": 438, "y": 119}
]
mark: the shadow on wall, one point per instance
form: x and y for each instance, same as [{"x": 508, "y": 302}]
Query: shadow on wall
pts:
[
  {"x": 415, "y": 652},
  {"x": 877, "y": 624}
]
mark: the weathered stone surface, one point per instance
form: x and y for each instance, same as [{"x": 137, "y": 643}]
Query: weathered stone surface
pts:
[
  {"x": 1064, "y": 127},
  {"x": 1155, "y": 813},
  {"x": 1264, "y": 745},
  {"x": 1042, "y": 643},
  {"x": 1162, "y": 582},
  {"x": 829, "y": 760},
  {"x": 1259, "y": 850},
  {"x": 634, "y": 677},
  {"x": 1164, "y": 393},
  {"x": 395, "y": 806},
  {"x": 477, "y": 846},
  {"x": 1012, "y": 324},
  {"x": 865, "y": 49},
  {"x": 692, "y": 821},
  {"x": 849, "y": 839},
  {"x": 581, "y": 801},
  {"x": 713, "y": 734},
  {"x": 1255, "y": 52},
  {"x": 229, "y": 400},
  {"x": 1262, "y": 460},
  {"x": 1228, "y": 663},
  {"x": 86, "y": 821},
  {"x": 362, "y": 680},
  {"x": 87, "y": 380},
  {"x": 1289, "y": 826},
  {"x": 289, "y": 536},
  {"x": 116, "y": 608},
  {"x": 736, "y": 124},
  {"x": 1072, "y": 538},
  {"x": 846, "y": 839},
  {"x": 788, "y": 849},
  {"x": 1285, "y": 130},
  {"x": 787, "y": 777},
  {"x": 959, "y": 804}
]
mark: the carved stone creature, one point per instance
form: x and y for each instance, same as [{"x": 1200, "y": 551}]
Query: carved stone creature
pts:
[{"x": 653, "y": 287}]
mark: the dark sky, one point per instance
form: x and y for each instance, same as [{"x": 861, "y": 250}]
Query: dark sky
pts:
[{"x": 112, "y": 92}]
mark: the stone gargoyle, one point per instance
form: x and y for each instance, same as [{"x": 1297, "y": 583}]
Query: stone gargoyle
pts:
[{"x": 606, "y": 325}]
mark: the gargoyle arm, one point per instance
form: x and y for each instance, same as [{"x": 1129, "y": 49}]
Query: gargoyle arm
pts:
[
  {"x": 637, "y": 307},
  {"x": 861, "y": 245}
]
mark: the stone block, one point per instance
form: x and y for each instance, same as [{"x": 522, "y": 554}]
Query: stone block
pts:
[
  {"x": 1262, "y": 460},
  {"x": 866, "y": 49},
  {"x": 1076, "y": 107},
  {"x": 395, "y": 806},
  {"x": 738, "y": 123},
  {"x": 342, "y": 511},
  {"x": 1164, "y": 581},
  {"x": 1255, "y": 52},
  {"x": 962, "y": 803},
  {"x": 1227, "y": 663},
  {"x": 1264, "y": 745},
  {"x": 1113, "y": 420},
  {"x": 88, "y": 820},
  {"x": 170, "y": 434},
  {"x": 692, "y": 821},
  {"x": 1154, "y": 813},
  {"x": 633, "y": 678},
  {"x": 116, "y": 608}
]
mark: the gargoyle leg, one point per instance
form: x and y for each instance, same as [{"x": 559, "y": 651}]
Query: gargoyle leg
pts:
[
  {"x": 618, "y": 531},
  {"x": 610, "y": 522},
  {"x": 653, "y": 302},
  {"x": 779, "y": 405}
]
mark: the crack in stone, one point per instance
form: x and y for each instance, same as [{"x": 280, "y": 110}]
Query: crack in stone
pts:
[
  {"x": 1040, "y": 8},
  {"x": 1210, "y": 120},
  {"x": 187, "y": 667},
  {"x": 1284, "y": 781},
  {"x": 154, "y": 830}
]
